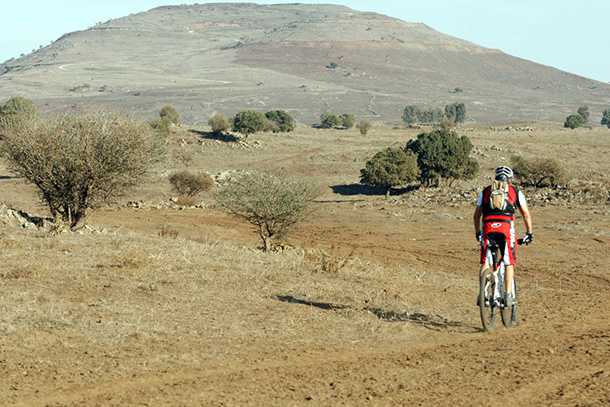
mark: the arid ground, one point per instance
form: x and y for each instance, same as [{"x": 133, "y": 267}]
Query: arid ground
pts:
[{"x": 371, "y": 301}]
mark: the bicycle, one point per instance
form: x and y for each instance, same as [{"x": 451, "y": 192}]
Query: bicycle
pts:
[{"x": 491, "y": 288}]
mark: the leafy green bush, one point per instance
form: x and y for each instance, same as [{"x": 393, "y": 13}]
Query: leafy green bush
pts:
[
  {"x": 456, "y": 112},
  {"x": 189, "y": 185},
  {"x": 538, "y": 172},
  {"x": 390, "y": 168},
  {"x": 219, "y": 123},
  {"x": 583, "y": 111},
  {"x": 330, "y": 120},
  {"x": 78, "y": 161},
  {"x": 284, "y": 121},
  {"x": 170, "y": 114},
  {"x": 272, "y": 203},
  {"x": 364, "y": 126},
  {"x": 348, "y": 120},
  {"x": 574, "y": 121},
  {"x": 415, "y": 114},
  {"x": 249, "y": 122},
  {"x": 442, "y": 154}
]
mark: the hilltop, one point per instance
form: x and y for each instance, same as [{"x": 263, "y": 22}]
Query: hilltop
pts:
[{"x": 304, "y": 58}]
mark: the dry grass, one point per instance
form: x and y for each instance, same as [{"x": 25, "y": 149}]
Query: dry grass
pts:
[{"x": 169, "y": 289}]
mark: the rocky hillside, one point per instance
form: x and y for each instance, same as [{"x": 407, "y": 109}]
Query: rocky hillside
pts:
[{"x": 304, "y": 58}]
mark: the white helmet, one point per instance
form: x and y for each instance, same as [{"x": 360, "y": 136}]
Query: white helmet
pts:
[{"x": 504, "y": 173}]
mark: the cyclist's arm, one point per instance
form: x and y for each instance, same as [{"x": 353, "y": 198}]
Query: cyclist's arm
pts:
[
  {"x": 478, "y": 212},
  {"x": 525, "y": 212}
]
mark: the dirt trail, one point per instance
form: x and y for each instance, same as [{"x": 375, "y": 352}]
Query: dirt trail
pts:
[{"x": 559, "y": 355}]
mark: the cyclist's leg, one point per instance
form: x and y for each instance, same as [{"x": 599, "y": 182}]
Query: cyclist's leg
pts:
[
  {"x": 510, "y": 259},
  {"x": 484, "y": 260}
]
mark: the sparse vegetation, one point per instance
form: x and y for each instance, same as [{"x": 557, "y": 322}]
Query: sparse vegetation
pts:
[
  {"x": 455, "y": 112},
  {"x": 219, "y": 123},
  {"x": 330, "y": 120},
  {"x": 17, "y": 108},
  {"x": 364, "y": 126},
  {"x": 606, "y": 118},
  {"x": 170, "y": 114},
  {"x": 283, "y": 120},
  {"x": 78, "y": 161},
  {"x": 583, "y": 111},
  {"x": 416, "y": 114},
  {"x": 189, "y": 185},
  {"x": 538, "y": 172},
  {"x": 443, "y": 155},
  {"x": 390, "y": 168},
  {"x": 272, "y": 203},
  {"x": 249, "y": 122},
  {"x": 574, "y": 121},
  {"x": 348, "y": 120},
  {"x": 162, "y": 126}
]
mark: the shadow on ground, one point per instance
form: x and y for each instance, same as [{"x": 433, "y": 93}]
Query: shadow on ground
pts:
[
  {"x": 430, "y": 321},
  {"x": 210, "y": 135},
  {"x": 361, "y": 189}
]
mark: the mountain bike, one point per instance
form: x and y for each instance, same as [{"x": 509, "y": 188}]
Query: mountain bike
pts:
[{"x": 491, "y": 288}]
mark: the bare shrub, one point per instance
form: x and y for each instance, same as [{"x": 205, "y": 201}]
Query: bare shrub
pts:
[
  {"x": 170, "y": 114},
  {"x": 78, "y": 161},
  {"x": 167, "y": 232},
  {"x": 272, "y": 203},
  {"x": 538, "y": 172},
  {"x": 219, "y": 123},
  {"x": 188, "y": 184},
  {"x": 364, "y": 126}
]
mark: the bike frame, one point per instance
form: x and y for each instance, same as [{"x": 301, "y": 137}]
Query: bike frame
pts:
[{"x": 497, "y": 273}]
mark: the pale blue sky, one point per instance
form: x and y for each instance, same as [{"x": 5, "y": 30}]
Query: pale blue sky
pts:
[{"x": 567, "y": 34}]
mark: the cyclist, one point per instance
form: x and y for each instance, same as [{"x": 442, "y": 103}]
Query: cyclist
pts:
[{"x": 496, "y": 206}]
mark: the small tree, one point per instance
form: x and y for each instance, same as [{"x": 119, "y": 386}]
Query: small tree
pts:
[
  {"x": 219, "y": 123},
  {"x": 78, "y": 161},
  {"x": 190, "y": 185},
  {"x": 456, "y": 112},
  {"x": 249, "y": 122},
  {"x": 390, "y": 168},
  {"x": 416, "y": 114},
  {"x": 538, "y": 172},
  {"x": 348, "y": 120},
  {"x": 411, "y": 114},
  {"x": 583, "y": 111},
  {"x": 272, "y": 203},
  {"x": 364, "y": 126},
  {"x": 442, "y": 154},
  {"x": 330, "y": 120},
  {"x": 574, "y": 121},
  {"x": 170, "y": 114},
  {"x": 284, "y": 121},
  {"x": 606, "y": 118}
]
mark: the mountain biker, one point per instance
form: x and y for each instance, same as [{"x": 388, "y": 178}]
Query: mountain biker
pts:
[{"x": 496, "y": 206}]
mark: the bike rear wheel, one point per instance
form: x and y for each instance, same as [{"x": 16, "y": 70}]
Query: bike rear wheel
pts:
[
  {"x": 487, "y": 305},
  {"x": 509, "y": 314}
]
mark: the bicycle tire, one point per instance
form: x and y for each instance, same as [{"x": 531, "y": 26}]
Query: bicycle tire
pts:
[
  {"x": 488, "y": 313},
  {"x": 510, "y": 315}
]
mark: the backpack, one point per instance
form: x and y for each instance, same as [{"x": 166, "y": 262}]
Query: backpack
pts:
[{"x": 498, "y": 198}]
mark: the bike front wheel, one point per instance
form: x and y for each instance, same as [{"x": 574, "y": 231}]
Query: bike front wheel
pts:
[{"x": 487, "y": 304}]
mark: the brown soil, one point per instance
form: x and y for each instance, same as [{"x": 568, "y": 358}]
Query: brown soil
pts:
[{"x": 129, "y": 317}]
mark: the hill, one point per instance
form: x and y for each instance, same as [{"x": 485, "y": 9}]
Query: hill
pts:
[{"x": 304, "y": 58}]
